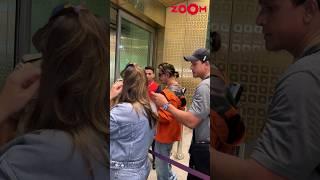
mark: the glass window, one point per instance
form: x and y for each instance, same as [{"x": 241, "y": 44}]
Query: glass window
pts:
[{"x": 134, "y": 44}]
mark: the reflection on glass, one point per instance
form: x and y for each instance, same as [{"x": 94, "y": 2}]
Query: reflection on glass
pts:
[{"x": 134, "y": 44}]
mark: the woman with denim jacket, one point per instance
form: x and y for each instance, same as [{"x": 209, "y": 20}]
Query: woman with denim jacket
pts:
[{"x": 132, "y": 121}]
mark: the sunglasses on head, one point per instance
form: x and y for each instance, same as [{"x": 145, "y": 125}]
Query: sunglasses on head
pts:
[
  {"x": 62, "y": 8},
  {"x": 39, "y": 38},
  {"x": 129, "y": 65}
]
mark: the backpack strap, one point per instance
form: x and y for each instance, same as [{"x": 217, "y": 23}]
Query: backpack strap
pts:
[{"x": 179, "y": 95}]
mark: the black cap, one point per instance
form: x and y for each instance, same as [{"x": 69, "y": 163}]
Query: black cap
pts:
[{"x": 201, "y": 54}]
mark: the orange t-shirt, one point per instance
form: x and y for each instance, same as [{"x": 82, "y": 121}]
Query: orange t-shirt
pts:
[{"x": 168, "y": 128}]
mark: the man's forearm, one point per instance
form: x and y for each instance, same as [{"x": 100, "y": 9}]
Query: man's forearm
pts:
[
  {"x": 227, "y": 167},
  {"x": 186, "y": 118}
]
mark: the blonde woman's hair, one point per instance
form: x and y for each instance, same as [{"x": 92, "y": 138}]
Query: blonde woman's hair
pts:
[{"x": 135, "y": 91}]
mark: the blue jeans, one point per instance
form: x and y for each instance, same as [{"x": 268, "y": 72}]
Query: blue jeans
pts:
[{"x": 163, "y": 169}]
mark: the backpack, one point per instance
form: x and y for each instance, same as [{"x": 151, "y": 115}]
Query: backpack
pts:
[{"x": 227, "y": 128}]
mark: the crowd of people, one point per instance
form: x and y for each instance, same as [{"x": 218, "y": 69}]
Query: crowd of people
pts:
[
  {"x": 67, "y": 133},
  {"x": 138, "y": 99}
]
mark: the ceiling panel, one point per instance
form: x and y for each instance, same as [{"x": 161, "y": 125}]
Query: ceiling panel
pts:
[{"x": 168, "y": 3}]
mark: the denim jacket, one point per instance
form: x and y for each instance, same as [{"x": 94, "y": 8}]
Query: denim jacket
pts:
[{"x": 130, "y": 139}]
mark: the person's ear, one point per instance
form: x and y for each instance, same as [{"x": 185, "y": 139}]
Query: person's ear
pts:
[{"x": 311, "y": 8}]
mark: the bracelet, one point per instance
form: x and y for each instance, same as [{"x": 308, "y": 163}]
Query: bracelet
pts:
[{"x": 166, "y": 106}]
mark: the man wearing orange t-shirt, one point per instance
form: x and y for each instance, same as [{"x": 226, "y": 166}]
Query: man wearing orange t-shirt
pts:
[{"x": 168, "y": 128}]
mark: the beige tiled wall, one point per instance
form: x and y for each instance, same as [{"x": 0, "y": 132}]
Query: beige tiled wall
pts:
[
  {"x": 183, "y": 34},
  {"x": 155, "y": 10}
]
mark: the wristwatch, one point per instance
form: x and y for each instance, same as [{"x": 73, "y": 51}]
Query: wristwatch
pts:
[{"x": 166, "y": 106}]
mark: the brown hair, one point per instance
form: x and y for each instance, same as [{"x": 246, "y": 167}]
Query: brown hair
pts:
[
  {"x": 135, "y": 91},
  {"x": 149, "y": 68},
  {"x": 166, "y": 68},
  {"x": 72, "y": 92},
  {"x": 299, "y": 2}
]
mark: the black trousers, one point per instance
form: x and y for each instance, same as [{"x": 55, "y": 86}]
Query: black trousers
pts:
[{"x": 199, "y": 159}]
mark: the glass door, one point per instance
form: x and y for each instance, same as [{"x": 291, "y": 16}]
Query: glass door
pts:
[{"x": 135, "y": 44}]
